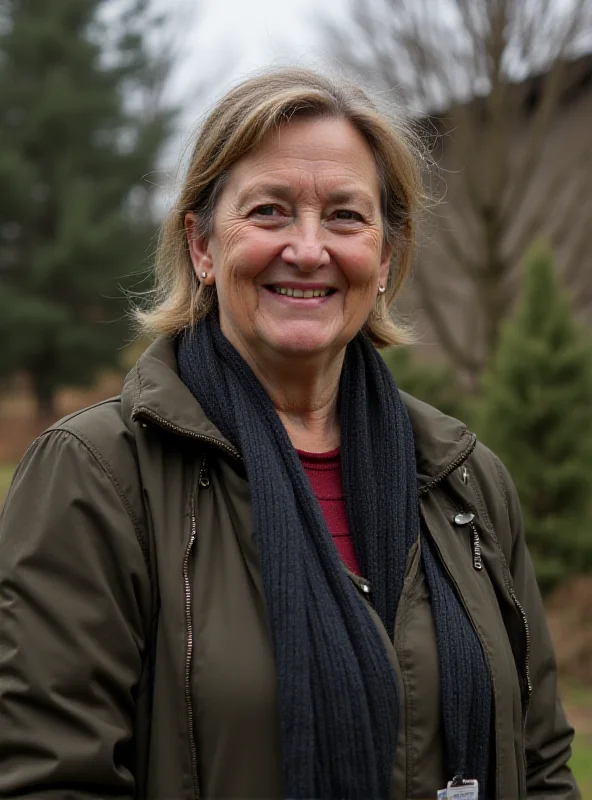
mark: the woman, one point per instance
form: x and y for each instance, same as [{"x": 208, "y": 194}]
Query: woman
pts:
[{"x": 261, "y": 571}]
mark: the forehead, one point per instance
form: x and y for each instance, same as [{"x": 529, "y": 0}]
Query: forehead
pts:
[{"x": 329, "y": 151}]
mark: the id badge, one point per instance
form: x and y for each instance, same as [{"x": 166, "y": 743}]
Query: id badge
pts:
[{"x": 468, "y": 791}]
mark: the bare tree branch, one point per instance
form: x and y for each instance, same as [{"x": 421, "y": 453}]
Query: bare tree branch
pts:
[
  {"x": 581, "y": 252},
  {"x": 457, "y": 353},
  {"x": 561, "y": 226}
]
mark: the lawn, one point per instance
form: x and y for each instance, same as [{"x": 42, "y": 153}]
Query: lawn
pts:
[
  {"x": 578, "y": 705},
  {"x": 581, "y": 764}
]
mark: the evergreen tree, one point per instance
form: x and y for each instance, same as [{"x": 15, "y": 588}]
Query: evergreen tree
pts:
[
  {"x": 78, "y": 133},
  {"x": 536, "y": 414},
  {"x": 435, "y": 384}
]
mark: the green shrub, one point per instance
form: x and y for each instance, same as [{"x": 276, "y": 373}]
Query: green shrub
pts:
[
  {"x": 535, "y": 412},
  {"x": 435, "y": 384}
]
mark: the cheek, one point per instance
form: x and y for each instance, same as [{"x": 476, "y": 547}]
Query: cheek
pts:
[
  {"x": 247, "y": 254},
  {"x": 253, "y": 257},
  {"x": 361, "y": 264}
]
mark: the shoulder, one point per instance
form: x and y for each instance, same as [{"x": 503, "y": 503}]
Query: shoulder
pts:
[
  {"x": 99, "y": 433},
  {"x": 89, "y": 456},
  {"x": 446, "y": 448},
  {"x": 490, "y": 473},
  {"x": 442, "y": 443},
  {"x": 93, "y": 423}
]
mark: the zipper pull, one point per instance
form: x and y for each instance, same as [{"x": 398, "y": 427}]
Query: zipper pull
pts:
[
  {"x": 477, "y": 561},
  {"x": 466, "y": 518},
  {"x": 203, "y": 479}
]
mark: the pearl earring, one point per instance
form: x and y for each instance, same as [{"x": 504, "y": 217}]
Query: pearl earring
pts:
[
  {"x": 204, "y": 275},
  {"x": 381, "y": 289}
]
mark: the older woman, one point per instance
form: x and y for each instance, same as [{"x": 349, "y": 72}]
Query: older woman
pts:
[{"x": 262, "y": 572}]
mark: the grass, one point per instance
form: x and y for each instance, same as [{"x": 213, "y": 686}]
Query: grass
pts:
[
  {"x": 581, "y": 764},
  {"x": 6, "y": 471},
  {"x": 578, "y": 703}
]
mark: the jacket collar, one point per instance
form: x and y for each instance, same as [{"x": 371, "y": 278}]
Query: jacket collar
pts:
[
  {"x": 154, "y": 392},
  {"x": 442, "y": 443}
]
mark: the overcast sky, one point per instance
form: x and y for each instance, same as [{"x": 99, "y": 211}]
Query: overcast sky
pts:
[
  {"x": 238, "y": 36},
  {"x": 229, "y": 39}
]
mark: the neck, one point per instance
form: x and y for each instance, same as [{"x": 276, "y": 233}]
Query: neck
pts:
[{"x": 304, "y": 393}]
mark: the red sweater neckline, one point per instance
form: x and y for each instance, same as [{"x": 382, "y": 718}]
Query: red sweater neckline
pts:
[{"x": 329, "y": 455}]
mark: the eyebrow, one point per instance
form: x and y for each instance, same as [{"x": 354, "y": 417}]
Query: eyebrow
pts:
[{"x": 283, "y": 191}]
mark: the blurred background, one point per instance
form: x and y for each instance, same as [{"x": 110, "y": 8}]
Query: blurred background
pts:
[{"x": 97, "y": 102}]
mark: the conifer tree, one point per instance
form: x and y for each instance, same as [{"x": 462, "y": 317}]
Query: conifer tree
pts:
[
  {"x": 80, "y": 127},
  {"x": 435, "y": 384},
  {"x": 536, "y": 414}
]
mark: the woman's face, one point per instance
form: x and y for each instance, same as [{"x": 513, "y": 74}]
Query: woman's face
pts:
[{"x": 297, "y": 249}]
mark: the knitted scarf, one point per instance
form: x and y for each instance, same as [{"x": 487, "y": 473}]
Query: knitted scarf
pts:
[{"x": 337, "y": 690}]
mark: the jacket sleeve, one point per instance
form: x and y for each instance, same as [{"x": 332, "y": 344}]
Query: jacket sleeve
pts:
[
  {"x": 72, "y": 575},
  {"x": 548, "y": 734}
]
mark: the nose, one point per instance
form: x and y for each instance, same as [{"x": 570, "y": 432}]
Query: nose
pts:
[{"x": 306, "y": 248}]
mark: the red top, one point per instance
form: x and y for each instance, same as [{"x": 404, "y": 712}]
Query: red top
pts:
[{"x": 324, "y": 473}]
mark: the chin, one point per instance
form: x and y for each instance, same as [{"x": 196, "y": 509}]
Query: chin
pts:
[
  {"x": 305, "y": 341},
  {"x": 298, "y": 351}
]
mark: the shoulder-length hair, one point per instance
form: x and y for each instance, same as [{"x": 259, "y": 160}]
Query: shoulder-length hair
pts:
[{"x": 237, "y": 123}]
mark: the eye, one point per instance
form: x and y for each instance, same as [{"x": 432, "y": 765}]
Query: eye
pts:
[
  {"x": 268, "y": 210},
  {"x": 347, "y": 215}
]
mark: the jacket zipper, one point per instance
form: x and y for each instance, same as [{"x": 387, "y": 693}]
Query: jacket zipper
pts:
[
  {"x": 189, "y": 653},
  {"x": 202, "y": 481},
  {"x": 477, "y": 560},
  {"x": 477, "y": 563},
  {"x": 522, "y": 613},
  {"x": 466, "y": 518},
  {"x": 145, "y": 412}
]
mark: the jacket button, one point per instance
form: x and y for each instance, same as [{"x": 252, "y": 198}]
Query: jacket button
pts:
[
  {"x": 365, "y": 587},
  {"x": 464, "y": 518}
]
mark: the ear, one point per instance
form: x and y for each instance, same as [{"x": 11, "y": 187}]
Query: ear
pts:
[
  {"x": 199, "y": 251},
  {"x": 385, "y": 264}
]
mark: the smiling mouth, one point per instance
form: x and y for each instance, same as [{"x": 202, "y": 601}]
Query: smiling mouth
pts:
[{"x": 305, "y": 294}]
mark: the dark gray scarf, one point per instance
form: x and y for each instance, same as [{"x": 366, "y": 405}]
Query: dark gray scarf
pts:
[{"x": 337, "y": 691}]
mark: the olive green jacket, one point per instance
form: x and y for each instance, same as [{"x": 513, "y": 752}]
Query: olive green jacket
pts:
[{"x": 104, "y": 586}]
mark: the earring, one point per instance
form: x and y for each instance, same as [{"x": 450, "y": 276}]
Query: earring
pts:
[
  {"x": 203, "y": 276},
  {"x": 381, "y": 289}
]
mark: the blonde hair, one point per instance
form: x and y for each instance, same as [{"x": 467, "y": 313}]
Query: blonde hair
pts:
[{"x": 237, "y": 124}]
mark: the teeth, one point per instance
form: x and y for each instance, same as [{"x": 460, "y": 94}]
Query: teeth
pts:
[{"x": 306, "y": 294}]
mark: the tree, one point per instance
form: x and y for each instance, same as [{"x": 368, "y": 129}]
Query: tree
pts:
[
  {"x": 491, "y": 82},
  {"x": 81, "y": 123},
  {"x": 536, "y": 414},
  {"x": 435, "y": 384}
]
